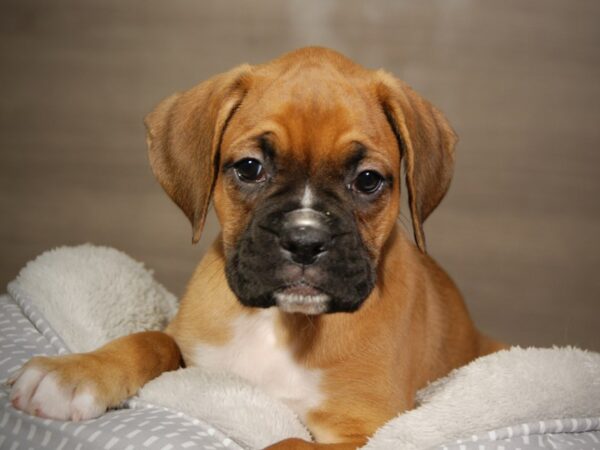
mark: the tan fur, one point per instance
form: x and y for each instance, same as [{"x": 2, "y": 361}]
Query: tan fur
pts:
[{"x": 315, "y": 104}]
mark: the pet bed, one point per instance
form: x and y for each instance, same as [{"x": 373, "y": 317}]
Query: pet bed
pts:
[{"x": 75, "y": 299}]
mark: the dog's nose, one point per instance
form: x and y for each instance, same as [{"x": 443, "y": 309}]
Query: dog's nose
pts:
[{"x": 305, "y": 235}]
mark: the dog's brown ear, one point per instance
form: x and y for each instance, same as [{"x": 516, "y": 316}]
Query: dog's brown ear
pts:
[
  {"x": 183, "y": 135},
  {"x": 426, "y": 143}
]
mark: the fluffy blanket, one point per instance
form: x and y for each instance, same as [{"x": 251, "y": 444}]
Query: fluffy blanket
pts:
[{"x": 90, "y": 295}]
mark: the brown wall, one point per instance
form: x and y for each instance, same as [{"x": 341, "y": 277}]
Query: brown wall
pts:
[{"x": 519, "y": 80}]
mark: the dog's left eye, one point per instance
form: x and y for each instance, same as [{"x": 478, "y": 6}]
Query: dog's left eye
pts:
[
  {"x": 250, "y": 170},
  {"x": 368, "y": 182}
]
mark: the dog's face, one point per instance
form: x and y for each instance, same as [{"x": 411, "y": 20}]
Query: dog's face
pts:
[
  {"x": 307, "y": 192},
  {"x": 302, "y": 157}
]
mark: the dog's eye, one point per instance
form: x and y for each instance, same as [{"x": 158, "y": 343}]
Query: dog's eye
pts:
[
  {"x": 368, "y": 182},
  {"x": 250, "y": 170}
]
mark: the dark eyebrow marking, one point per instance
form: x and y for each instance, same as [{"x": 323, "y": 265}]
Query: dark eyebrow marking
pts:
[
  {"x": 265, "y": 143},
  {"x": 358, "y": 153}
]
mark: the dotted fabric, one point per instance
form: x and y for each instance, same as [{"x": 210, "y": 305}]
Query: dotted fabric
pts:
[
  {"x": 572, "y": 434},
  {"x": 24, "y": 334}
]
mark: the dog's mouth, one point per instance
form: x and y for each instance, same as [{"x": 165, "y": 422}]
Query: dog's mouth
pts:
[{"x": 302, "y": 298}]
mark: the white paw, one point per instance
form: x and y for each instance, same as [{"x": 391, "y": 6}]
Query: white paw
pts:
[{"x": 43, "y": 392}]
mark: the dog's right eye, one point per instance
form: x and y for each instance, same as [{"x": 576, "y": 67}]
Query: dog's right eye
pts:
[
  {"x": 368, "y": 182},
  {"x": 250, "y": 170}
]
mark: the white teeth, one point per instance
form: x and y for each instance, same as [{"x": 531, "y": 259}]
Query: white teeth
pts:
[
  {"x": 297, "y": 298},
  {"x": 305, "y": 304}
]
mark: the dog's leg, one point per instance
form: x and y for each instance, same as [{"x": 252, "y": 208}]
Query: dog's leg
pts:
[
  {"x": 83, "y": 386},
  {"x": 299, "y": 444}
]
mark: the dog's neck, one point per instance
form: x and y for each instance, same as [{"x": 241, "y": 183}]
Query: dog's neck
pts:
[{"x": 315, "y": 339}]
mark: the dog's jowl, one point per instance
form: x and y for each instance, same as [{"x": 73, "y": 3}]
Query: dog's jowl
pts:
[{"x": 312, "y": 291}]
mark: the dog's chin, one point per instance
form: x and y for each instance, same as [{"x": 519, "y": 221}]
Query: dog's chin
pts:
[{"x": 302, "y": 299}]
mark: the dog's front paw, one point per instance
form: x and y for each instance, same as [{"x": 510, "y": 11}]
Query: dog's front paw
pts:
[{"x": 65, "y": 388}]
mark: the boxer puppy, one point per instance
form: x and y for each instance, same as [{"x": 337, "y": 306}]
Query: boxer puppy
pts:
[{"x": 312, "y": 291}]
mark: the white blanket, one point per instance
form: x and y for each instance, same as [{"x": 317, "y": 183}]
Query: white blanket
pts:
[{"x": 91, "y": 295}]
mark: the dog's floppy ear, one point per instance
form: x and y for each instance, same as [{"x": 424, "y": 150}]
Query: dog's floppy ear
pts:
[
  {"x": 183, "y": 135},
  {"x": 426, "y": 143}
]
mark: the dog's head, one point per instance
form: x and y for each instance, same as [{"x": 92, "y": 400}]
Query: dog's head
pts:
[{"x": 302, "y": 157}]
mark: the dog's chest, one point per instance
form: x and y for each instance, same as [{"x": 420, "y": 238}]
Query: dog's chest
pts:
[{"x": 255, "y": 354}]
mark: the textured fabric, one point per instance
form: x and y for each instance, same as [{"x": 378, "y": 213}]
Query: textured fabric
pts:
[
  {"x": 146, "y": 426},
  {"x": 78, "y": 289},
  {"x": 551, "y": 434},
  {"x": 502, "y": 389}
]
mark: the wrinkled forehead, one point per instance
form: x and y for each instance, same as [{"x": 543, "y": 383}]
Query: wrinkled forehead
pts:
[{"x": 313, "y": 113}]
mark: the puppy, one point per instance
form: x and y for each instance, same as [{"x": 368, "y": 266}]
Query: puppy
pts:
[{"x": 312, "y": 291}]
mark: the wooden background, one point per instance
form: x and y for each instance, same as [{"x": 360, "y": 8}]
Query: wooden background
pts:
[{"x": 519, "y": 80}]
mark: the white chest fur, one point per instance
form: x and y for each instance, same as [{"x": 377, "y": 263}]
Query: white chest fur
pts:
[{"x": 255, "y": 354}]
